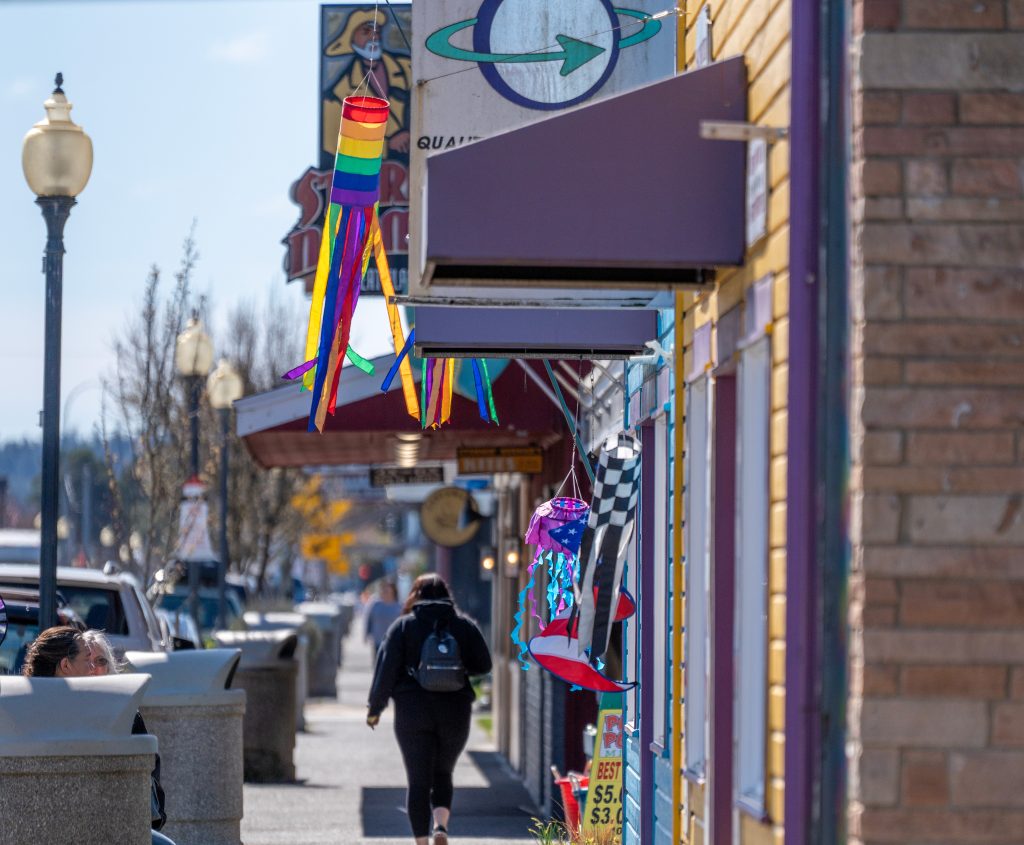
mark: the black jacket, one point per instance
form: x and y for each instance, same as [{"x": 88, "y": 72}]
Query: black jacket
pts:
[
  {"x": 139, "y": 727},
  {"x": 401, "y": 651}
]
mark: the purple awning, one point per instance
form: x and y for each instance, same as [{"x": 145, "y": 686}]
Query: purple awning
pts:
[
  {"x": 593, "y": 333},
  {"x": 621, "y": 193}
]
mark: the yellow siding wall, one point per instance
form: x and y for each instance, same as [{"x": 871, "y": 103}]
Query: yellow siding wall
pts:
[{"x": 758, "y": 30}]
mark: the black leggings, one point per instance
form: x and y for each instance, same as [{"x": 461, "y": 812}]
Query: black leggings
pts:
[{"x": 432, "y": 729}]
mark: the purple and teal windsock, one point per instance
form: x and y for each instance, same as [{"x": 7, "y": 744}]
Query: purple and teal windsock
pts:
[{"x": 556, "y": 529}]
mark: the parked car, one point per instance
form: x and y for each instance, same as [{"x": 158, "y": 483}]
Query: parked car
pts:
[
  {"x": 209, "y": 604},
  {"x": 174, "y": 576},
  {"x": 22, "y": 608},
  {"x": 180, "y": 629},
  {"x": 113, "y": 603},
  {"x": 19, "y": 545}
]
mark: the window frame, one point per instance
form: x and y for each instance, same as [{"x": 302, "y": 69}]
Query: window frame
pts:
[
  {"x": 662, "y": 604},
  {"x": 753, "y": 505},
  {"x": 697, "y": 557},
  {"x": 631, "y": 644}
]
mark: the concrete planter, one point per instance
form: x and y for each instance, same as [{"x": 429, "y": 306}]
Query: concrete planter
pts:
[
  {"x": 303, "y": 628},
  {"x": 347, "y": 610},
  {"x": 267, "y": 672},
  {"x": 70, "y": 769},
  {"x": 199, "y": 723},
  {"x": 323, "y": 671}
]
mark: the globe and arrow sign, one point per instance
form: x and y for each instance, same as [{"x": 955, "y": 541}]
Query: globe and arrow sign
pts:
[
  {"x": 501, "y": 43},
  {"x": 574, "y": 53}
]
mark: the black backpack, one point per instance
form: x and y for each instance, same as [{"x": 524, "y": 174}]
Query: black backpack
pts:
[{"x": 440, "y": 668}]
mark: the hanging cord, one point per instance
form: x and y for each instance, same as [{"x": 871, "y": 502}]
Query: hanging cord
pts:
[
  {"x": 576, "y": 491},
  {"x": 576, "y": 418},
  {"x": 571, "y": 474},
  {"x": 398, "y": 23},
  {"x": 569, "y": 419},
  {"x": 369, "y": 73}
]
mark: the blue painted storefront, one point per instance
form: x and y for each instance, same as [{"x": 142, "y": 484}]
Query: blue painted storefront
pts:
[{"x": 648, "y": 804}]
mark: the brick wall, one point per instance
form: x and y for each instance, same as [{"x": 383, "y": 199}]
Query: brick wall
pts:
[{"x": 937, "y": 598}]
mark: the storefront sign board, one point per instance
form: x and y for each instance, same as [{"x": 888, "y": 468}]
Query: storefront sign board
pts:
[
  {"x": 528, "y": 460},
  {"x": 362, "y": 50},
  {"x": 483, "y": 67},
  {"x": 604, "y": 795}
]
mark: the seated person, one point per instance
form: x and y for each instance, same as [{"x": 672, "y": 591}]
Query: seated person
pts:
[
  {"x": 64, "y": 652},
  {"x": 60, "y": 652}
]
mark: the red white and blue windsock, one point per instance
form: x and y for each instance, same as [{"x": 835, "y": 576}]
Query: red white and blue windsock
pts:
[{"x": 557, "y": 649}]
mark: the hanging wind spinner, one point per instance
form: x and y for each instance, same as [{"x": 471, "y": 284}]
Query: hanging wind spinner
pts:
[
  {"x": 556, "y": 529},
  {"x": 351, "y": 235},
  {"x": 572, "y": 647}
]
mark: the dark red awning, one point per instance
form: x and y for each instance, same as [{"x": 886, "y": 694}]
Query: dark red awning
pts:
[{"x": 369, "y": 424}]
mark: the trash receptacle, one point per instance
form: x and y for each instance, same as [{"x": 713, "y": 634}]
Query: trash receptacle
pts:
[
  {"x": 198, "y": 720},
  {"x": 70, "y": 769},
  {"x": 323, "y": 670},
  {"x": 302, "y": 627},
  {"x": 346, "y": 606},
  {"x": 267, "y": 672},
  {"x": 572, "y": 788}
]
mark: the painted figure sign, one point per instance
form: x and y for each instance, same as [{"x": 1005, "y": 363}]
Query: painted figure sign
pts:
[
  {"x": 487, "y": 66},
  {"x": 359, "y": 45},
  {"x": 354, "y": 49}
]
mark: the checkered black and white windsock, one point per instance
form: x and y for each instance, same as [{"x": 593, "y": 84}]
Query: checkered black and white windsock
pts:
[{"x": 606, "y": 540}]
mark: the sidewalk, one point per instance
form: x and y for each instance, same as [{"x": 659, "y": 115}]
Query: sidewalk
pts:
[{"x": 351, "y": 788}]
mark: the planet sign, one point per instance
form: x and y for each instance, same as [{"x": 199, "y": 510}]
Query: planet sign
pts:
[{"x": 513, "y": 48}]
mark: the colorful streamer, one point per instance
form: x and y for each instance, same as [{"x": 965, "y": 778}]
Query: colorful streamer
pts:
[{"x": 351, "y": 236}]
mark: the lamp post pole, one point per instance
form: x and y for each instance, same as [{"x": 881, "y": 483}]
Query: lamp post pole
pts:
[
  {"x": 222, "y": 608},
  {"x": 193, "y": 355},
  {"x": 193, "y": 384},
  {"x": 56, "y": 157},
  {"x": 55, "y": 213},
  {"x": 224, "y": 387}
]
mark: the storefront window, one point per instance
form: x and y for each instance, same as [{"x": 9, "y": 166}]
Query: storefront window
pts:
[
  {"x": 752, "y": 571},
  {"x": 697, "y": 560}
]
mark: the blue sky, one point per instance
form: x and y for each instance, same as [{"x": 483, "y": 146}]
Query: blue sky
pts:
[{"x": 197, "y": 109}]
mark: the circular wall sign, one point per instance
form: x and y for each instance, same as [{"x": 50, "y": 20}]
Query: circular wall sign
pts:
[
  {"x": 567, "y": 70},
  {"x": 441, "y": 516}
]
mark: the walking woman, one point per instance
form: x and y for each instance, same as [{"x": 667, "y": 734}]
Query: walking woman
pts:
[{"x": 416, "y": 659}]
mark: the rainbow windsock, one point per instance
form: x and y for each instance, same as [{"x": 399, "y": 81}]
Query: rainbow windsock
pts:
[{"x": 351, "y": 235}]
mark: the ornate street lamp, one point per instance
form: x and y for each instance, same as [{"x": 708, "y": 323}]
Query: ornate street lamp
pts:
[
  {"x": 56, "y": 157},
  {"x": 193, "y": 356},
  {"x": 224, "y": 386}
]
